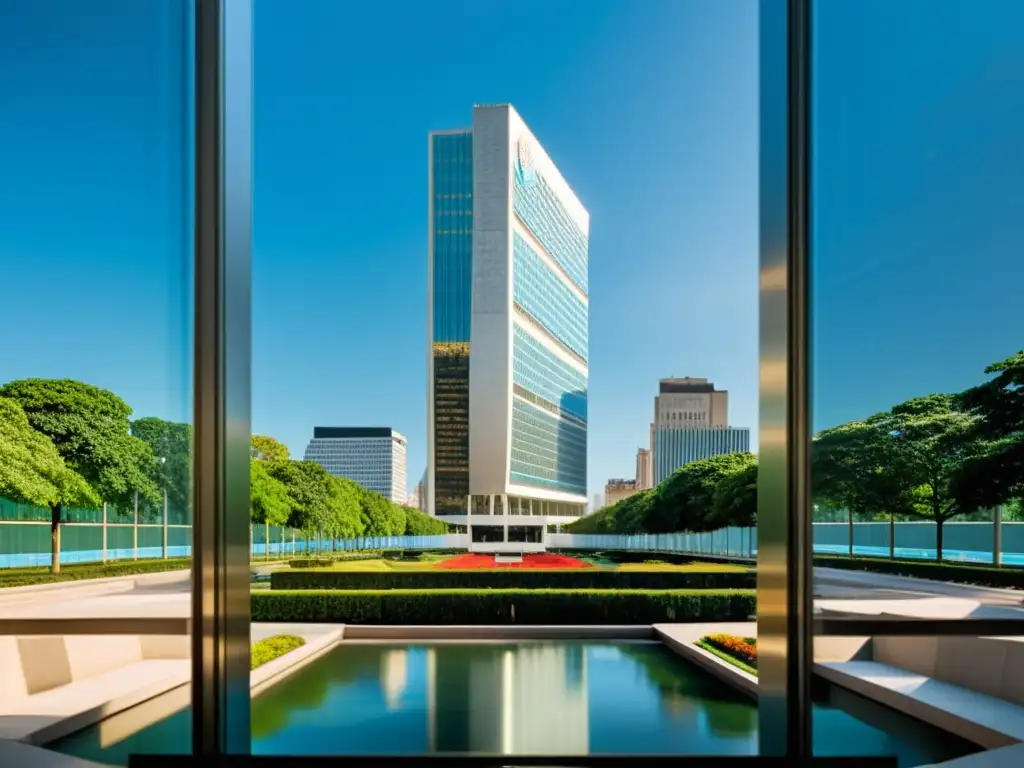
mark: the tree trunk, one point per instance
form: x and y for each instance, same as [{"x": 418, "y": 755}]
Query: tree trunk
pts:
[
  {"x": 938, "y": 539},
  {"x": 55, "y": 538},
  {"x": 851, "y": 533},
  {"x": 892, "y": 536},
  {"x": 266, "y": 538}
]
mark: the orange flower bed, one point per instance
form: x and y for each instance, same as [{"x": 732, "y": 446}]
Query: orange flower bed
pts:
[
  {"x": 742, "y": 648},
  {"x": 471, "y": 562}
]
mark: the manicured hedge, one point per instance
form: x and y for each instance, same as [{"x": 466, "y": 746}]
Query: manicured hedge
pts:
[
  {"x": 22, "y": 577},
  {"x": 503, "y": 606},
  {"x": 979, "y": 575},
  {"x": 326, "y": 561},
  {"x": 512, "y": 578}
]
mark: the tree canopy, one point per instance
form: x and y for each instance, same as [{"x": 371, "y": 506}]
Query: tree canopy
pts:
[
  {"x": 89, "y": 427},
  {"x": 420, "y": 524},
  {"x": 693, "y": 498},
  {"x": 31, "y": 469},
  {"x": 269, "y": 500},
  {"x": 268, "y": 449},
  {"x": 170, "y": 443},
  {"x": 995, "y": 473}
]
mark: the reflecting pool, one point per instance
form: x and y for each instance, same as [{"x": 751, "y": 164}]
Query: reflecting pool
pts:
[{"x": 521, "y": 698}]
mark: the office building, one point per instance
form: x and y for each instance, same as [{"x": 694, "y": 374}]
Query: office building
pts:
[
  {"x": 644, "y": 466},
  {"x": 691, "y": 420},
  {"x": 674, "y": 448},
  {"x": 617, "y": 490},
  {"x": 372, "y": 456},
  {"x": 508, "y": 333},
  {"x": 690, "y": 403}
]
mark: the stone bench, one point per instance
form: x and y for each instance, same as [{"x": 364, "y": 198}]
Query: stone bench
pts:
[
  {"x": 986, "y": 720},
  {"x": 43, "y": 717},
  {"x": 51, "y": 686}
]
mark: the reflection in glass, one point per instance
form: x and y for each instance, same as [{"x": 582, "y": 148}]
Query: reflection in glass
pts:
[
  {"x": 915, "y": 242},
  {"x": 95, "y": 377},
  {"x": 917, "y": 112}
]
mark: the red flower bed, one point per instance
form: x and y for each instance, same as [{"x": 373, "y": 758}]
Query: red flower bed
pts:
[
  {"x": 742, "y": 648},
  {"x": 471, "y": 562}
]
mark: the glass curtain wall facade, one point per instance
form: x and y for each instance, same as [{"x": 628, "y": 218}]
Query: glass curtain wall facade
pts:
[
  {"x": 508, "y": 323},
  {"x": 674, "y": 448},
  {"x": 450, "y": 246}
]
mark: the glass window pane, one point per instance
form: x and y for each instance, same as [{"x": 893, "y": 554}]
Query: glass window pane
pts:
[
  {"x": 95, "y": 379},
  {"x": 482, "y": 242},
  {"x": 916, "y": 237}
]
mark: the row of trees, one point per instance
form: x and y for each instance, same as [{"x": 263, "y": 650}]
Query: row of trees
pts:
[
  {"x": 935, "y": 458},
  {"x": 932, "y": 458},
  {"x": 704, "y": 495},
  {"x": 64, "y": 444},
  {"x": 301, "y": 494}
]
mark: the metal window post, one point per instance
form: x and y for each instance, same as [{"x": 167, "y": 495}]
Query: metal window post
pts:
[
  {"x": 135, "y": 526},
  {"x": 165, "y": 526},
  {"x": 997, "y": 536},
  {"x": 104, "y": 531},
  {"x": 784, "y": 574},
  {"x": 222, "y": 383}
]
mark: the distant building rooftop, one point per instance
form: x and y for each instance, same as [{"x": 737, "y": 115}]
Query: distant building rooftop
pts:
[
  {"x": 352, "y": 432},
  {"x": 685, "y": 384}
]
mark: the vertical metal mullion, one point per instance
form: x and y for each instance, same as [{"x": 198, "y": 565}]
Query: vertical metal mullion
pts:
[
  {"x": 784, "y": 591},
  {"x": 223, "y": 224}
]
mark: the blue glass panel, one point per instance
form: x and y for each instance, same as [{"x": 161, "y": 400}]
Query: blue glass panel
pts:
[
  {"x": 453, "y": 235},
  {"x": 547, "y": 299},
  {"x": 535, "y": 368},
  {"x": 539, "y": 209},
  {"x": 547, "y": 451}
]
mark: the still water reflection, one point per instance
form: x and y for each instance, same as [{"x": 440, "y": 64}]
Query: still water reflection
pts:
[{"x": 526, "y": 698}]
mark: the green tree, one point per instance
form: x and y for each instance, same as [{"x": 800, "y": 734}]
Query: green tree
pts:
[
  {"x": 995, "y": 475},
  {"x": 685, "y": 500},
  {"x": 269, "y": 501},
  {"x": 419, "y": 524},
  {"x": 31, "y": 469},
  {"x": 308, "y": 485},
  {"x": 601, "y": 521},
  {"x": 346, "y": 520},
  {"x": 380, "y": 516},
  {"x": 734, "y": 499},
  {"x": 171, "y": 444},
  {"x": 851, "y": 470},
  {"x": 90, "y": 428},
  {"x": 630, "y": 515},
  {"x": 268, "y": 449},
  {"x": 932, "y": 439}
]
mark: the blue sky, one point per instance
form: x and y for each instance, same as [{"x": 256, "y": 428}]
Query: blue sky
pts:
[{"x": 650, "y": 111}]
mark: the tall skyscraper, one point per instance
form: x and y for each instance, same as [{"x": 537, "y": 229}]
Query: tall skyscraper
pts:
[
  {"x": 508, "y": 332},
  {"x": 644, "y": 473},
  {"x": 691, "y": 420},
  {"x": 372, "y": 456}
]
